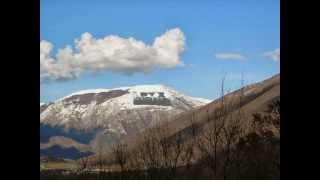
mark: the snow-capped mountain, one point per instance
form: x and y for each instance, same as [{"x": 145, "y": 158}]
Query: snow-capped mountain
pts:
[{"x": 110, "y": 114}]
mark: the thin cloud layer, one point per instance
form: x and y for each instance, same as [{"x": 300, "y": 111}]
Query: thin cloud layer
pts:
[
  {"x": 274, "y": 55},
  {"x": 111, "y": 53},
  {"x": 229, "y": 56}
]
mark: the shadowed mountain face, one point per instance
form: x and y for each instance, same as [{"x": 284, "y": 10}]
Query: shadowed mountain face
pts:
[
  {"x": 47, "y": 131},
  {"x": 103, "y": 116},
  {"x": 59, "y": 152}
]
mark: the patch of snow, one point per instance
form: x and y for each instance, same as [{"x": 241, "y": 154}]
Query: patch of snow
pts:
[
  {"x": 202, "y": 100},
  {"x": 93, "y": 114},
  {"x": 136, "y": 90}
]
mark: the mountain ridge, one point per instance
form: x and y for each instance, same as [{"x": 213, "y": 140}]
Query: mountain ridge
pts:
[{"x": 105, "y": 116}]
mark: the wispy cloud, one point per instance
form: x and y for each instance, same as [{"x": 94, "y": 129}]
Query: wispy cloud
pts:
[
  {"x": 111, "y": 53},
  {"x": 230, "y": 56},
  {"x": 274, "y": 55}
]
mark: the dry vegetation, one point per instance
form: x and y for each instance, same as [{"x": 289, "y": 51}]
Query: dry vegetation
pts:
[{"x": 222, "y": 149}]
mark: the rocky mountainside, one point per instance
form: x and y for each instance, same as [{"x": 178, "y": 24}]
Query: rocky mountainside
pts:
[{"x": 100, "y": 117}]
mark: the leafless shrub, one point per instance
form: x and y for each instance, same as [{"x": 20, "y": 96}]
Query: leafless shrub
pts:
[
  {"x": 232, "y": 132},
  {"x": 268, "y": 122},
  {"x": 120, "y": 154},
  {"x": 210, "y": 140},
  {"x": 101, "y": 161},
  {"x": 217, "y": 144},
  {"x": 83, "y": 163},
  {"x": 171, "y": 151},
  {"x": 188, "y": 154}
]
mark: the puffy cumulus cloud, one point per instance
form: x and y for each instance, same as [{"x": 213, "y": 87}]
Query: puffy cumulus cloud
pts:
[
  {"x": 62, "y": 68},
  {"x": 274, "y": 55},
  {"x": 111, "y": 53},
  {"x": 230, "y": 56}
]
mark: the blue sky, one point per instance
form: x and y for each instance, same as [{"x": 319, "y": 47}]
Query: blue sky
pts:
[{"x": 247, "y": 28}]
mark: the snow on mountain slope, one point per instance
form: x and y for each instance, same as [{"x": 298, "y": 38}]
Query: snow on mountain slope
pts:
[
  {"x": 112, "y": 114},
  {"x": 135, "y": 90},
  {"x": 114, "y": 109}
]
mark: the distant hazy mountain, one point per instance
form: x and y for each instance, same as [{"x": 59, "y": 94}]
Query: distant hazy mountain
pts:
[{"x": 91, "y": 119}]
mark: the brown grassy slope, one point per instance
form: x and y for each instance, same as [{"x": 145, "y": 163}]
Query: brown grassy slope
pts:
[{"x": 255, "y": 98}]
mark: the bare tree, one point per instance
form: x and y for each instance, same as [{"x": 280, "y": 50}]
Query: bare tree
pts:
[
  {"x": 134, "y": 160},
  {"x": 208, "y": 144},
  {"x": 232, "y": 131},
  {"x": 120, "y": 153},
  {"x": 188, "y": 153},
  {"x": 267, "y": 127},
  {"x": 100, "y": 160},
  {"x": 269, "y": 121},
  {"x": 159, "y": 152},
  {"x": 231, "y": 136},
  {"x": 83, "y": 163},
  {"x": 171, "y": 151},
  {"x": 210, "y": 140},
  {"x": 150, "y": 152}
]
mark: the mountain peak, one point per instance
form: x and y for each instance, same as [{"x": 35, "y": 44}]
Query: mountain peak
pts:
[
  {"x": 96, "y": 108},
  {"x": 136, "y": 89}
]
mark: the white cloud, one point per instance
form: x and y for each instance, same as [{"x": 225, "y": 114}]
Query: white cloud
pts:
[
  {"x": 111, "y": 53},
  {"x": 274, "y": 55},
  {"x": 229, "y": 56}
]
